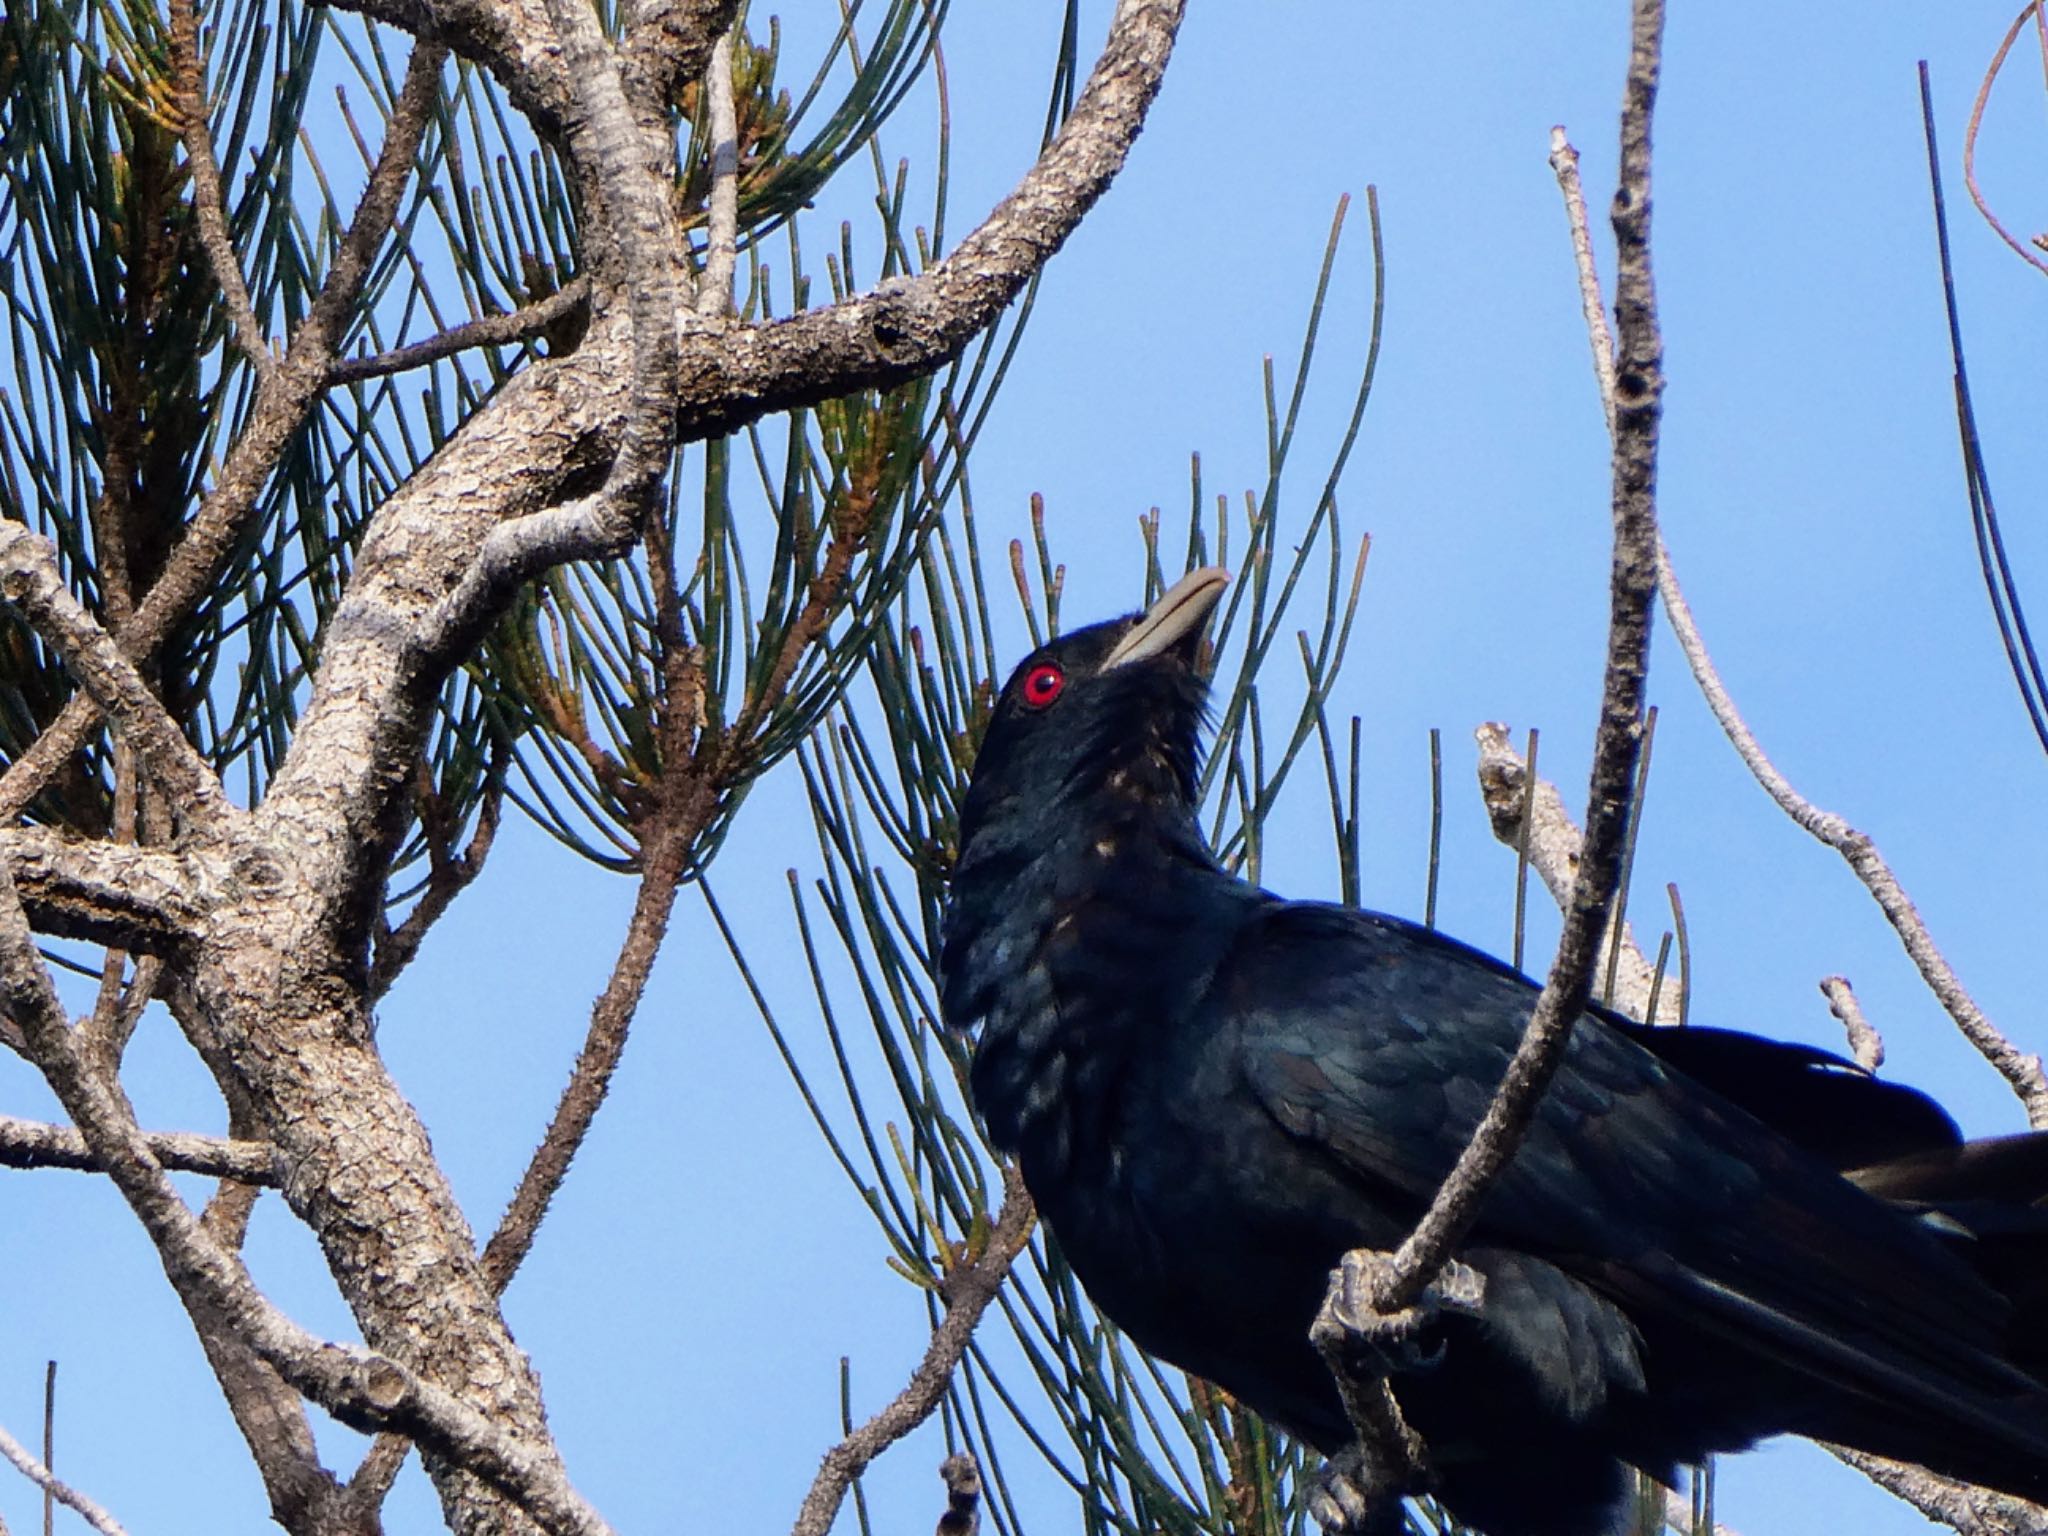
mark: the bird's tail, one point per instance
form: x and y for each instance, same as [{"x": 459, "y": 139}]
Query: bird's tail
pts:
[{"x": 1990, "y": 1197}]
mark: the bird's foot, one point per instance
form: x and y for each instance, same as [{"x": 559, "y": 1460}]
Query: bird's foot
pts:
[
  {"x": 1353, "y": 1497},
  {"x": 1352, "y": 1323}
]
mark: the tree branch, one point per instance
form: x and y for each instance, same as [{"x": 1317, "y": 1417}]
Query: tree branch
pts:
[
  {"x": 1554, "y": 843},
  {"x": 968, "y": 1287},
  {"x": 283, "y": 401},
  {"x": 721, "y": 238},
  {"x": 38, "y": 1144},
  {"x": 522, "y": 324},
  {"x": 1633, "y": 578},
  {"x": 906, "y": 327},
  {"x": 188, "y": 73},
  {"x": 366, "y": 1391},
  {"x": 45, "y": 1479},
  {"x": 1977, "y": 1512},
  {"x": 31, "y": 581},
  {"x": 139, "y": 898},
  {"x": 2022, "y": 1070},
  {"x": 1395, "y": 1283},
  {"x": 1973, "y": 1511}
]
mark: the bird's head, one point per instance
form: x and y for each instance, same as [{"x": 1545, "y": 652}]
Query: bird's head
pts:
[{"x": 1115, "y": 708}]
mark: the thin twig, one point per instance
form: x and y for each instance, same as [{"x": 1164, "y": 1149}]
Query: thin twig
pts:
[
  {"x": 968, "y": 1287},
  {"x": 188, "y": 76},
  {"x": 2023, "y": 1071},
  {"x": 2031, "y": 12},
  {"x": 721, "y": 242},
  {"x": 663, "y": 864},
  {"x": 522, "y": 324},
  {"x": 1866, "y": 1045},
  {"x": 70, "y": 1498},
  {"x": 1564, "y": 160}
]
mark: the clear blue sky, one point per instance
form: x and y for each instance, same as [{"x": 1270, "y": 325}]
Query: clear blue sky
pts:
[{"x": 706, "y": 1266}]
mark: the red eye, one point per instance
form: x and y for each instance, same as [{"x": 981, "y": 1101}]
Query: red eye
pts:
[{"x": 1042, "y": 684}]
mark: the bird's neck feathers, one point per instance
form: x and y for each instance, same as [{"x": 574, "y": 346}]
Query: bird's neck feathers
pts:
[{"x": 1074, "y": 925}]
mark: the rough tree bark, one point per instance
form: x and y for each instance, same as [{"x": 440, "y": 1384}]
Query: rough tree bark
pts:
[{"x": 262, "y": 919}]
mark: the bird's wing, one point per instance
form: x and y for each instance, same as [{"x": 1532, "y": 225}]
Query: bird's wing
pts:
[{"x": 1378, "y": 1045}]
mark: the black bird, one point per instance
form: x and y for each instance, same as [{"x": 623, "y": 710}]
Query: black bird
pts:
[{"x": 1213, "y": 1093}]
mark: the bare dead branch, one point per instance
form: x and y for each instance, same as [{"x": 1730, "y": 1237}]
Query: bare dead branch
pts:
[
  {"x": 38, "y": 1144},
  {"x": 1973, "y": 1511},
  {"x": 721, "y": 241},
  {"x": 969, "y": 1285},
  {"x": 1379, "y": 1293},
  {"x": 1554, "y": 842},
  {"x": 2023, "y": 1071},
  {"x": 1566, "y": 991},
  {"x": 2020, "y": 1069},
  {"x": 2032, "y": 11},
  {"x": 1866, "y": 1045},
  {"x": 43, "y": 1478},
  {"x": 521, "y": 324}
]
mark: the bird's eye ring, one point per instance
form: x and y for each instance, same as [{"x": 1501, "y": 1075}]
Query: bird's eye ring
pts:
[{"x": 1043, "y": 684}]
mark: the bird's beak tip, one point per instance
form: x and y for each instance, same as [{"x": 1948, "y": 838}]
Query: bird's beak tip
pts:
[{"x": 1178, "y": 616}]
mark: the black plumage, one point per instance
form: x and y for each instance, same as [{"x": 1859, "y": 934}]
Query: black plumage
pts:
[{"x": 1213, "y": 1093}]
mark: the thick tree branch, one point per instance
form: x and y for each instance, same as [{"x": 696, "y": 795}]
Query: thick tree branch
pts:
[
  {"x": 670, "y": 42},
  {"x": 510, "y": 38},
  {"x": 1973, "y": 1511},
  {"x": 139, "y": 898},
  {"x": 905, "y": 328},
  {"x": 444, "y": 551},
  {"x": 364, "y": 1390}
]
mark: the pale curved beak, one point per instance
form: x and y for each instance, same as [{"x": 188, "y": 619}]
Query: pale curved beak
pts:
[{"x": 1178, "y": 616}]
